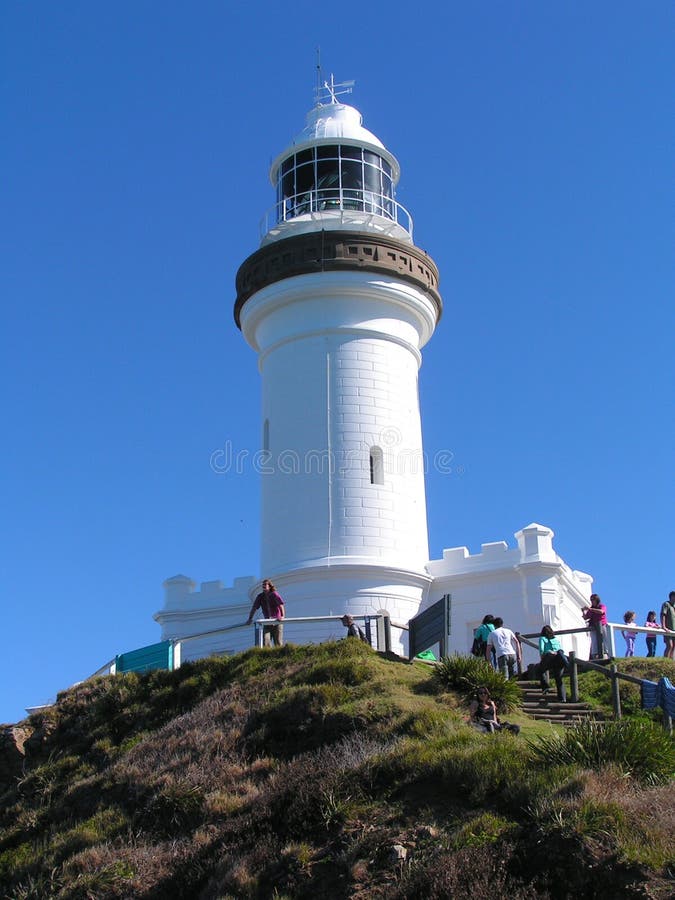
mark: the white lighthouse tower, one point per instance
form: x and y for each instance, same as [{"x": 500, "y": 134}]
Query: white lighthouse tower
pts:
[{"x": 338, "y": 303}]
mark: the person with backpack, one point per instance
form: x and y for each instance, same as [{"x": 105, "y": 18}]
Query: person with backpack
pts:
[
  {"x": 353, "y": 630},
  {"x": 480, "y": 637}
]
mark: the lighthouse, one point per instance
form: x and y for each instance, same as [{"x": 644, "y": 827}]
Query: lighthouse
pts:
[{"x": 338, "y": 303}]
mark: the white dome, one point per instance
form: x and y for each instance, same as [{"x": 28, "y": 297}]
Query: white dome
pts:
[{"x": 336, "y": 120}]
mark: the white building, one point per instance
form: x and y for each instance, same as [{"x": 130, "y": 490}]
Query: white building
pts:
[{"x": 338, "y": 303}]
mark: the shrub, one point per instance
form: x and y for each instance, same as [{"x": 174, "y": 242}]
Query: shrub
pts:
[
  {"x": 467, "y": 673},
  {"x": 638, "y": 748}
]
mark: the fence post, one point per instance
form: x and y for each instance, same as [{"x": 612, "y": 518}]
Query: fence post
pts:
[
  {"x": 612, "y": 647},
  {"x": 387, "y": 633},
  {"x": 616, "y": 698},
  {"x": 574, "y": 677},
  {"x": 667, "y": 722}
]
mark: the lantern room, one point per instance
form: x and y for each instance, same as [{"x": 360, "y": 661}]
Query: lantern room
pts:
[{"x": 335, "y": 174}]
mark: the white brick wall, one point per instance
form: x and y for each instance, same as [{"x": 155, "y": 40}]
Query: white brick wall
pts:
[{"x": 339, "y": 357}]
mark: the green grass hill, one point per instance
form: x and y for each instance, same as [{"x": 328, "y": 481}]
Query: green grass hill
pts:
[{"x": 325, "y": 772}]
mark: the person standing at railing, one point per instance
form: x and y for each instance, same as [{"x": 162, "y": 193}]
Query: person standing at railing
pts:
[
  {"x": 651, "y": 638},
  {"x": 353, "y": 630},
  {"x": 272, "y": 607},
  {"x": 668, "y": 621},
  {"x": 596, "y": 616},
  {"x": 628, "y": 634}
]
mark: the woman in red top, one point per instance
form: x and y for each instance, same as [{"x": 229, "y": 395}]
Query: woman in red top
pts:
[{"x": 596, "y": 616}]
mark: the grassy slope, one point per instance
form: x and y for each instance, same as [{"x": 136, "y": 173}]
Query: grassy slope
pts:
[{"x": 322, "y": 771}]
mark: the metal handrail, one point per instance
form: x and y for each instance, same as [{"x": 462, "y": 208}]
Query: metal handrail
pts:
[
  {"x": 611, "y": 627},
  {"x": 610, "y": 671},
  {"x": 365, "y": 618},
  {"x": 349, "y": 200}
]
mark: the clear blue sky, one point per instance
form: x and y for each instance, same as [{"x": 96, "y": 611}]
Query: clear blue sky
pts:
[{"x": 536, "y": 146}]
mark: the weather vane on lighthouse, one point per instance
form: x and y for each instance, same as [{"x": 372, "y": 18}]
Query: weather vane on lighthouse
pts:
[
  {"x": 325, "y": 91},
  {"x": 330, "y": 91}
]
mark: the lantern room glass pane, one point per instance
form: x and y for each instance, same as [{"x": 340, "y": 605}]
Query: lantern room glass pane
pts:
[
  {"x": 352, "y": 174},
  {"x": 327, "y": 152},
  {"x": 288, "y": 184},
  {"x": 327, "y": 173},
  {"x": 351, "y": 152},
  {"x": 304, "y": 179},
  {"x": 372, "y": 179}
]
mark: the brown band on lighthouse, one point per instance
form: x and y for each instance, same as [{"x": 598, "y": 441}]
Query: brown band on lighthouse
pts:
[{"x": 335, "y": 251}]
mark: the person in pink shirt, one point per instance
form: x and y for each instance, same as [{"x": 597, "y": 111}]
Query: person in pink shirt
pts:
[
  {"x": 651, "y": 638},
  {"x": 272, "y": 607},
  {"x": 596, "y": 616}
]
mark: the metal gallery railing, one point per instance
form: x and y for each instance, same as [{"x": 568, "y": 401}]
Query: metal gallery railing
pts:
[{"x": 335, "y": 200}]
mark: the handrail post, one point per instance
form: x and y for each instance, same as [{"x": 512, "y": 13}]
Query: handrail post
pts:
[
  {"x": 387, "y": 632},
  {"x": 519, "y": 661},
  {"x": 612, "y": 647},
  {"x": 616, "y": 698},
  {"x": 574, "y": 677}
]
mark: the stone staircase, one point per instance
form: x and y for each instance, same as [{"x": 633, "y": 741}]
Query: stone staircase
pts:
[{"x": 547, "y": 707}]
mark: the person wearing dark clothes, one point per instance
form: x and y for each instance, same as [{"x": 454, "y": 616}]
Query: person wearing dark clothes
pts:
[
  {"x": 353, "y": 630},
  {"x": 483, "y": 714}
]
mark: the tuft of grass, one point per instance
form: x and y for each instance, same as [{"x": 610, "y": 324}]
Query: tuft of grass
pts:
[
  {"x": 460, "y": 765},
  {"x": 485, "y": 828},
  {"x": 467, "y": 674},
  {"x": 640, "y": 749}
]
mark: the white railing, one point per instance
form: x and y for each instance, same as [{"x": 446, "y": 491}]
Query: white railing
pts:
[
  {"x": 613, "y": 627},
  {"x": 378, "y": 637},
  {"x": 329, "y": 200}
]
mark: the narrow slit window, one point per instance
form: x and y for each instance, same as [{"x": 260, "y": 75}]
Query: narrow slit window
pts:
[
  {"x": 376, "y": 466},
  {"x": 266, "y": 436}
]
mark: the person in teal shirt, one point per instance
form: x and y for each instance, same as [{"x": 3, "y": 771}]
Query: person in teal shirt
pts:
[
  {"x": 553, "y": 660},
  {"x": 480, "y": 637}
]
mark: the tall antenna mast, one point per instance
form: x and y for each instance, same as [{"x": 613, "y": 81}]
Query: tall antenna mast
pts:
[{"x": 317, "y": 89}]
